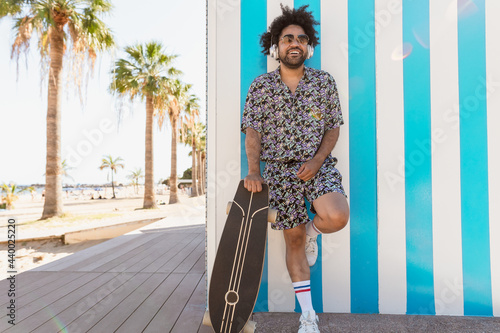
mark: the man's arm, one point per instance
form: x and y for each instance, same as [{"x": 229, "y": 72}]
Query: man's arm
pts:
[
  {"x": 253, "y": 181},
  {"x": 309, "y": 169},
  {"x": 327, "y": 143}
]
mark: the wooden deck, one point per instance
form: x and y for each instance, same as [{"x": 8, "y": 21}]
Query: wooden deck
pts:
[{"x": 152, "y": 280}]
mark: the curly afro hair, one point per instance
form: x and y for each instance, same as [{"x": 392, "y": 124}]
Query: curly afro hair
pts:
[{"x": 299, "y": 17}]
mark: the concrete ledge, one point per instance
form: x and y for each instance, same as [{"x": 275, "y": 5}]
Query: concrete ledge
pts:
[
  {"x": 105, "y": 232},
  {"x": 33, "y": 239}
]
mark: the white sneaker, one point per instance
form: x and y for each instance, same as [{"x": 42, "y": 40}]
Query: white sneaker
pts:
[
  {"x": 309, "y": 323},
  {"x": 311, "y": 250}
]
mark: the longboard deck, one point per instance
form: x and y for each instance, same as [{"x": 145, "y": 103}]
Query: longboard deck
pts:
[{"x": 238, "y": 265}]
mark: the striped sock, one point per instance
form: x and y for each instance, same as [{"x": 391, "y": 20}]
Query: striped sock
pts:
[
  {"x": 311, "y": 230},
  {"x": 303, "y": 294}
]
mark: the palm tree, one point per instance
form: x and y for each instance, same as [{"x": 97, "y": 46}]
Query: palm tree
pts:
[
  {"x": 113, "y": 165},
  {"x": 146, "y": 73},
  {"x": 187, "y": 137},
  {"x": 197, "y": 133},
  {"x": 59, "y": 24},
  {"x": 201, "y": 149},
  {"x": 10, "y": 192},
  {"x": 203, "y": 168},
  {"x": 135, "y": 176},
  {"x": 177, "y": 96}
]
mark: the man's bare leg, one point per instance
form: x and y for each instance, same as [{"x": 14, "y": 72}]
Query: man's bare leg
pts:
[
  {"x": 298, "y": 267},
  {"x": 332, "y": 212},
  {"x": 332, "y": 215},
  {"x": 296, "y": 262}
]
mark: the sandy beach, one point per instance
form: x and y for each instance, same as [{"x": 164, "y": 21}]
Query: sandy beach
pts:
[{"x": 80, "y": 214}]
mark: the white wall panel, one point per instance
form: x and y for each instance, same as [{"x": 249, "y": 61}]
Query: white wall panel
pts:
[
  {"x": 336, "y": 247},
  {"x": 390, "y": 52},
  {"x": 446, "y": 194}
]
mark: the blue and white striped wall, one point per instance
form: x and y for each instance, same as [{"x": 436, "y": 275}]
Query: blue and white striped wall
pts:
[{"x": 419, "y": 83}]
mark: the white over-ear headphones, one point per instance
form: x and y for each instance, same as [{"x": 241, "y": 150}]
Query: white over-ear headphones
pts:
[
  {"x": 273, "y": 51},
  {"x": 310, "y": 51}
]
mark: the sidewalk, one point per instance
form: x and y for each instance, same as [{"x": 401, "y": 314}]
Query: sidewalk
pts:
[{"x": 375, "y": 323}]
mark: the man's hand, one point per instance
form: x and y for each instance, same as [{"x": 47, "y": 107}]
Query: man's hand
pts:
[
  {"x": 309, "y": 169},
  {"x": 253, "y": 182}
]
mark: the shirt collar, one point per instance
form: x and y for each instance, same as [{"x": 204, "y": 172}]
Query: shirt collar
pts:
[{"x": 277, "y": 76}]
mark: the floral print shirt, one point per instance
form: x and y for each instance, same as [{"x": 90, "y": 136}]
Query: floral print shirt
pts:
[{"x": 292, "y": 125}]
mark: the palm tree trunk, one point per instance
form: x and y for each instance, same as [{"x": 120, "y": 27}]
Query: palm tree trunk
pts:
[
  {"x": 53, "y": 168},
  {"x": 200, "y": 190},
  {"x": 194, "y": 169},
  {"x": 203, "y": 172},
  {"x": 113, "y": 184},
  {"x": 173, "y": 168},
  {"x": 149, "y": 193}
]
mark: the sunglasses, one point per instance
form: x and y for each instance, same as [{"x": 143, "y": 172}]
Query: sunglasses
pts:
[{"x": 301, "y": 39}]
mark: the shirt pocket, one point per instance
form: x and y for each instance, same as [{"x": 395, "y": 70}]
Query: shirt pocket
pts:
[{"x": 315, "y": 116}]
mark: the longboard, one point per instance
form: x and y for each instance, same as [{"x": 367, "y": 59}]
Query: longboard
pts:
[{"x": 239, "y": 261}]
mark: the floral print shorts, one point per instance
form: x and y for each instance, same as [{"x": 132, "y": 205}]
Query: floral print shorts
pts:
[{"x": 288, "y": 192}]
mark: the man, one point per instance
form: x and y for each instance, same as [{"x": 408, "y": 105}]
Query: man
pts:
[{"x": 291, "y": 120}]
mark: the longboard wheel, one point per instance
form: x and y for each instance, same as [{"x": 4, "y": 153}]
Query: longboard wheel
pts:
[
  {"x": 272, "y": 214},
  {"x": 250, "y": 327},
  {"x": 228, "y": 207},
  {"x": 206, "y": 319}
]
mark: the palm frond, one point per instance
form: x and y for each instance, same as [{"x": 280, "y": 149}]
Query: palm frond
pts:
[
  {"x": 85, "y": 34},
  {"x": 113, "y": 163},
  {"x": 23, "y": 28},
  {"x": 99, "y": 6},
  {"x": 11, "y": 7},
  {"x": 145, "y": 72}
]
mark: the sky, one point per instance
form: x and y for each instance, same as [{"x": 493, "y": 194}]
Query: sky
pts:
[{"x": 94, "y": 129}]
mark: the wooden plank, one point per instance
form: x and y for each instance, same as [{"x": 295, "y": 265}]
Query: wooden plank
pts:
[
  {"x": 122, "y": 311},
  {"x": 92, "y": 316},
  {"x": 109, "y": 245},
  {"x": 130, "y": 248},
  {"x": 28, "y": 281},
  {"x": 192, "y": 229},
  {"x": 96, "y": 261},
  {"x": 188, "y": 263},
  {"x": 172, "y": 253},
  {"x": 157, "y": 254},
  {"x": 166, "y": 317},
  {"x": 27, "y": 311},
  {"x": 49, "y": 312},
  {"x": 191, "y": 316},
  {"x": 33, "y": 276},
  {"x": 23, "y": 299},
  {"x": 131, "y": 257},
  {"x": 151, "y": 255},
  {"x": 176, "y": 260},
  {"x": 200, "y": 266},
  {"x": 143, "y": 314},
  {"x": 85, "y": 303}
]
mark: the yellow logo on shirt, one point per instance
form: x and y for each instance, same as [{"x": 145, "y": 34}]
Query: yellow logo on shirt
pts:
[{"x": 316, "y": 113}]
